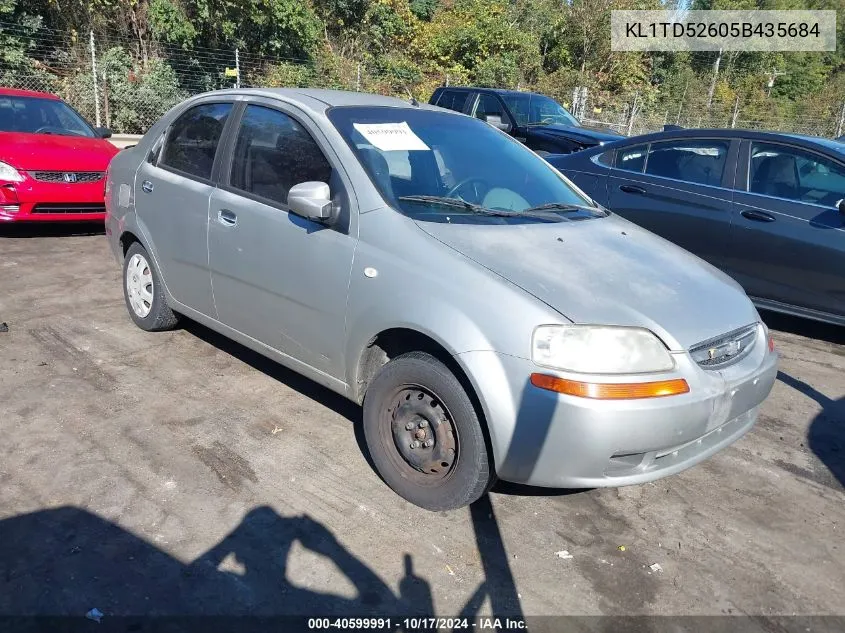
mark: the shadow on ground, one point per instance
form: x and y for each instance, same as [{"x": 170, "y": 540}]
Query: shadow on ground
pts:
[
  {"x": 826, "y": 435},
  {"x": 51, "y": 229},
  {"x": 66, "y": 561},
  {"x": 804, "y": 327}
]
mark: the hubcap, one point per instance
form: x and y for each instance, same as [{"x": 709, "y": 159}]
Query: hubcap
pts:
[
  {"x": 423, "y": 432},
  {"x": 139, "y": 285}
]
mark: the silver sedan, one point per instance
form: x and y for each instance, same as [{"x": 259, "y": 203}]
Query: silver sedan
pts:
[{"x": 490, "y": 317}]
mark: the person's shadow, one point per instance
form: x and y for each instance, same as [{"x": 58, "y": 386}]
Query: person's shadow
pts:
[
  {"x": 826, "y": 435},
  {"x": 66, "y": 561}
]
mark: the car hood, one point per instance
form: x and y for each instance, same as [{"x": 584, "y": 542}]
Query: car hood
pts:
[
  {"x": 580, "y": 133},
  {"x": 55, "y": 152},
  {"x": 608, "y": 271}
]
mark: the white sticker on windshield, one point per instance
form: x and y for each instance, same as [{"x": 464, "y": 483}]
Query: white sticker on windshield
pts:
[{"x": 391, "y": 137}]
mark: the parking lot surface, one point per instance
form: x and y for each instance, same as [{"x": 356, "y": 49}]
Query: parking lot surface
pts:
[{"x": 180, "y": 473}]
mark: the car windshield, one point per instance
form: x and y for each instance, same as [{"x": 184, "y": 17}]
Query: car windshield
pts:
[
  {"x": 443, "y": 167},
  {"x": 531, "y": 109},
  {"x": 37, "y": 115}
]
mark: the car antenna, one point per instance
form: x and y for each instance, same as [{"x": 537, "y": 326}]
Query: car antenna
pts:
[{"x": 413, "y": 101}]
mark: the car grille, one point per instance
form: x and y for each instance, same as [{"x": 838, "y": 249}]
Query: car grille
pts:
[
  {"x": 68, "y": 208},
  {"x": 68, "y": 177},
  {"x": 724, "y": 350}
]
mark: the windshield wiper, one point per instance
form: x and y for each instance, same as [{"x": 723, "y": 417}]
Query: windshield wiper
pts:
[
  {"x": 565, "y": 207},
  {"x": 458, "y": 203}
]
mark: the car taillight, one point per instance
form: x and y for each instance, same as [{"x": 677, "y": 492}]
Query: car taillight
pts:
[
  {"x": 8, "y": 195},
  {"x": 771, "y": 343}
]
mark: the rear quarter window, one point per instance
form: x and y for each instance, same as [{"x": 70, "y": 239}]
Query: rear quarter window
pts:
[
  {"x": 605, "y": 158},
  {"x": 452, "y": 100}
]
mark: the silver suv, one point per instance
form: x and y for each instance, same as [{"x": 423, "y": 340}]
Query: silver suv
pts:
[{"x": 490, "y": 317}]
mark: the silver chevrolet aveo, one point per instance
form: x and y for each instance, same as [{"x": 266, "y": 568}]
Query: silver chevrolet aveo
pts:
[{"x": 493, "y": 321}]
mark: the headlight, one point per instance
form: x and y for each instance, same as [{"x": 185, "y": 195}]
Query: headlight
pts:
[
  {"x": 599, "y": 349},
  {"x": 9, "y": 173}
]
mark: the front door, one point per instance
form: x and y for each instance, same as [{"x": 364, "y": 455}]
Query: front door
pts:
[
  {"x": 788, "y": 240},
  {"x": 678, "y": 189},
  {"x": 172, "y": 196},
  {"x": 277, "y": 277}
]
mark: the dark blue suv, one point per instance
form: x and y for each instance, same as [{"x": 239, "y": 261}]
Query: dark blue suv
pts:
[{"x": 537, "y": 120}]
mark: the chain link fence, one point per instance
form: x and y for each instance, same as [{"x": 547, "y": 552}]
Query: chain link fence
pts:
[
  {"x": 127, "y": 85},
  {"x": 631, "y": 117}
]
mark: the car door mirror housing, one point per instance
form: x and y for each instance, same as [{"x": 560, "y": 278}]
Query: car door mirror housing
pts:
[
  {"x": 311, "y": 200},
  {"x": 496, "y": 121},
  {"x": 841, "y": 206},
  {"x": 103, "y": 132}
]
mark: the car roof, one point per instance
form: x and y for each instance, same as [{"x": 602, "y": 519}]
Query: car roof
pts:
[
  {"x": 498, "y": 91},
  {"x": 732, "y": 133},
  {"x": 319, "y": 100},
  {"x": 833, "y": 144},
  {"x": 16, "y": 92}
]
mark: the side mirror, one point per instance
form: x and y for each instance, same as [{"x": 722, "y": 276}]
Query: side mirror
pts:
[
  {"x": 841, "y": 206},
  {"x": 496, "y": 121},
  {"x": 311, "y": 200},
  {"x": 103, "y": 132}
]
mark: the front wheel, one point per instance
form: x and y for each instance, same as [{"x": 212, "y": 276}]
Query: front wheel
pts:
[
  {"x": 424, "y": 435},
  {"x": 143, "y": 292}
]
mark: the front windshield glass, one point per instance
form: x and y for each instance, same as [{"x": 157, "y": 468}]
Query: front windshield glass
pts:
[
  {"x": 531, "y": 109},
  {"x": 36, "y": 115},
  {"x": 439, "y": 166}
]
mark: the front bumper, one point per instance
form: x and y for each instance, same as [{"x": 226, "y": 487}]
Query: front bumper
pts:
[
  {"x": 55, "y": 202},
  {"x": 548, "y": 439}
]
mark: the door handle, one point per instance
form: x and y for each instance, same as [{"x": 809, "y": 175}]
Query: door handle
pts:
[
  {"x": 227, "y": 217},
  {"x": 632, "y": 189},
  {"x": 758, "y": 216},
  {"x": 147, "y": 186}
]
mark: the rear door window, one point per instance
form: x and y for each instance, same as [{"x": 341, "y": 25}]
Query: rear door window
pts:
[
  {"x": 453, "y": 99},
  {"x": 193, "y": 139},
  {"x": 696, "y": 161}
]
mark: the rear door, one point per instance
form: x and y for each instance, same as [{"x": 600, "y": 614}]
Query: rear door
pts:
[
  {"x": 679, "y": 189},
  {"x": 788, "y": 239},
  {"x": 171, "y": 198}
]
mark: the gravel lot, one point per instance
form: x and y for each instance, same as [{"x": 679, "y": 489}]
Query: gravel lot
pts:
[{"x": 179, "y": 473}]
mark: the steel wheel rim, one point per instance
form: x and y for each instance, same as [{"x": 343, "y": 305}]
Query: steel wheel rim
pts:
[
  {"x": 413, "y": 413},
  {"x": 139, "y": 285}
]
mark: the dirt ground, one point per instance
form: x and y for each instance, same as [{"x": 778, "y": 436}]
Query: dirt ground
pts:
[{"x": 180, "y": 473}]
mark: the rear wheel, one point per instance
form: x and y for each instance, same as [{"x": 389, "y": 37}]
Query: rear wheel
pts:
[
  {"x": 424, "y": 435},
  {"x": 144, "y": 295}
]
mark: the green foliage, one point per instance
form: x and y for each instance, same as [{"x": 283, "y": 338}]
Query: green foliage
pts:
[
  {"x": 155, "y": 52},
  {"x": 498, "y": 71},
  {"x": 471, "y": 32},
  {"x": 170, "y": 23},
  {"x": 281, "y": 28},
  {"x": 124, "y": 87},
  {"x": 424, "y": 9},
  {"x": 389, "y": 23}
]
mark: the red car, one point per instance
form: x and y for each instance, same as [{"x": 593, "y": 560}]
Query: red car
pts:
[{"x": 52, "y": 162}]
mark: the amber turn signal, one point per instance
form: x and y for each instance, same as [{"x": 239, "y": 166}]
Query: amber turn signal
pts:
[{"x": 611, "y": 391}]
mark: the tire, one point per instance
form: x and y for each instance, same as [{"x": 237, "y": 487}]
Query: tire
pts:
[
  {"x": 140, "y": 272},
  {"x": 415, "y": 392}
]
